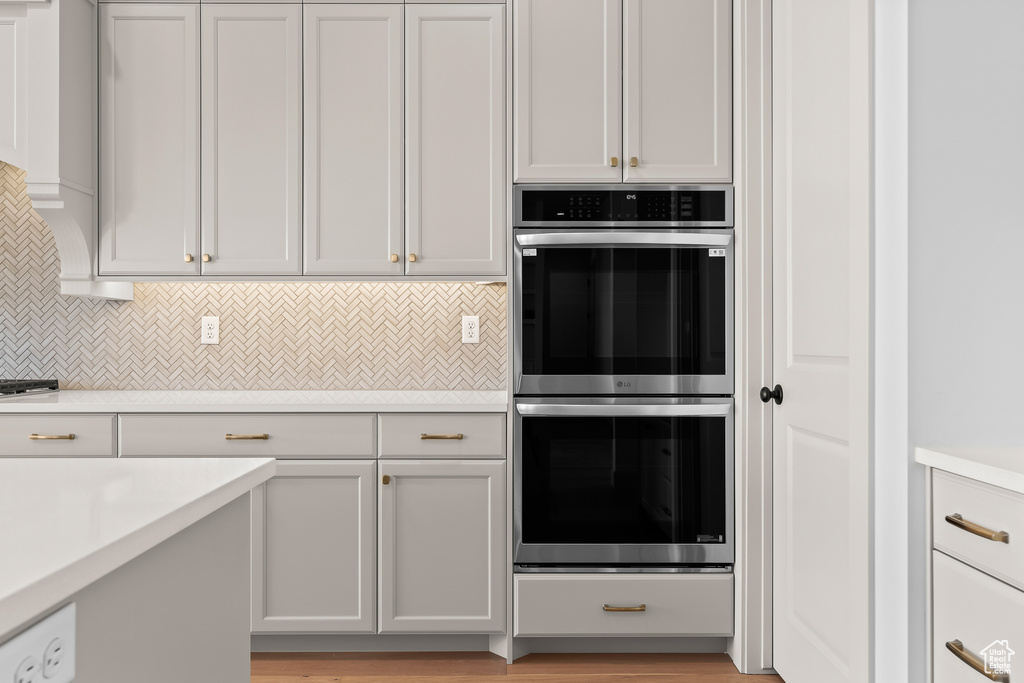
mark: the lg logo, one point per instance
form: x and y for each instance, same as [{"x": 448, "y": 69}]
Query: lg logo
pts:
[
  {"x": 630, "y": 197},
  {"x": 623, "y": 385}
]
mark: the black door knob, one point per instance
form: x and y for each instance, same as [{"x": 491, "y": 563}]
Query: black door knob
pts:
[{"x": 768, "y": 394}]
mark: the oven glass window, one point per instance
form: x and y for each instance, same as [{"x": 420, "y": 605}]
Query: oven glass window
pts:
[
  {"x": 624, "y": 311},
  {"x": 621, "y": 480}
]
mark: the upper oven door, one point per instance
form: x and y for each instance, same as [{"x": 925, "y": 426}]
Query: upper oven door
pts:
[{"x": 623, "y": 311}]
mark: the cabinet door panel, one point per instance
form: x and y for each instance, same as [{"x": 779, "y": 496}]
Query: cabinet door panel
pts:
[
  {"x": 149, "y": 139},
  {"x": 455, "y": 132},
  {"x": 353, "y": 139},
  {"x": 313, "y": 548},
  {"x": 678, "y": 90},
  {"x": 442, "y": 564},
  {"x": 567, "y": 84},
  {"x": 251, "y": 106}
]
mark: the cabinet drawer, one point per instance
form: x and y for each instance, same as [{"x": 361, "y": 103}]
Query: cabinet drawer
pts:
[
  {"x": 975, "y": 609},
  {"x": 985, "y": 505},
  {"x": 288, "y": 436},
  {"x": 573, "y": 605},
  {"x": 93, "y": 435},
  {"x": 407, "y": 435}
]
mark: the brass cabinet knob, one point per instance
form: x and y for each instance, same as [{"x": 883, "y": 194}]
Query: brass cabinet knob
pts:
[
  {"x": 188, "y": 258},
  {"x": 412, "y": 258},
  {"x": 385, "y": 480},
  {"x": 206, "y": 258},
  {"x": 615, "y": 162},
  {"x": 394, "y": 258},
  {"x": 633, "y": 162}
]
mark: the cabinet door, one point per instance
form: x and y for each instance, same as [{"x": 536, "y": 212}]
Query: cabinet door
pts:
[
  {"x": 353, "y": 113},
  {"x": 567, "y": 80},
  {"x": 149, "y": 139},
  {"x": 678, "y": 90},
  {"x": 313, "y": 548},
  {"x": 442, "y": 562},
  {"x": 13, "y": 87},
  {"x": 455, "y": 132},
  {"x": 251, "y": 130}
]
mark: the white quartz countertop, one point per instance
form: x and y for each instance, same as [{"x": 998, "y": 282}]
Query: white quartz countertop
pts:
[
  {"x": 257, "y": 402},
  {"x": 1003, "y": 467},
  {"x": 64, "y": 523}
]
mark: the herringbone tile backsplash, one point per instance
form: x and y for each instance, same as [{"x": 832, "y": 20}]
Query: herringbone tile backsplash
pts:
[{"x": 280, "y": 336}]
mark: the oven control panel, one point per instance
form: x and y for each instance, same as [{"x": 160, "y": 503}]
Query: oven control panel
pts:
[{"x": 687, "y": 205}]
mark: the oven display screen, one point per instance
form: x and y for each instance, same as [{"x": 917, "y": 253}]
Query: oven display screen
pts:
[{"x": 556, "y": 206}]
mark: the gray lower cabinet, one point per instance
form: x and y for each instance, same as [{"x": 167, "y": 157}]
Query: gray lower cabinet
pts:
[
  {"x": 313, "y": 532},
  {"x": 442, "y": 546}
]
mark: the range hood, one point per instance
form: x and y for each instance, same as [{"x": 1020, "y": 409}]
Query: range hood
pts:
[{"x": 48, "y": 128}]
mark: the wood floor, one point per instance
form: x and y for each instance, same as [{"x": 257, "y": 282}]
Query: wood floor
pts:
[{"x": 465, "y": 667}]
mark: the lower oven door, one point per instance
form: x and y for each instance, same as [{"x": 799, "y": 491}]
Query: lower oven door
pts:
[{"x": 623, "y": 482}]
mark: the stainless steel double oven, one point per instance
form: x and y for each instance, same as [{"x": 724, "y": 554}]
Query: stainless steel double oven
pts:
[{"x": 623, "y": 371}]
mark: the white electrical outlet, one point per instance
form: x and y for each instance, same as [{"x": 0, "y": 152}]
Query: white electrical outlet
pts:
[
  {"x": 470, "y": 329},
  {"x": 210, "y": 330},
  {"x": 44, "y": 653}
]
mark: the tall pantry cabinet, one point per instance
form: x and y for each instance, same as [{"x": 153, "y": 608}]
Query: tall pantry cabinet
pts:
[
  {"x": 336, "y": 139},
  {"x": 623, "y": 91}
]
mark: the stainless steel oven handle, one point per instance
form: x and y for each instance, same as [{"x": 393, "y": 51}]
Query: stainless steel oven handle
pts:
[
  {"x": 583, "y": 410},
  {"x": 615, "y": 238}
]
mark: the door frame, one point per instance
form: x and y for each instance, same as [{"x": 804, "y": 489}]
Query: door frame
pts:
[{"x": 751, "y": 647}]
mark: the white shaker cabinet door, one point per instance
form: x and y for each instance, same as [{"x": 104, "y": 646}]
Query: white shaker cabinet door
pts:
[
  {"x": 313, "y": 533},
  {"x": 567, "y": 89},
  {"x": 678, "y": 90},
  {"x": 149, "y": 139},
  {"x": 13, "y": 87},
  {"x": 442, "y": 547},
  {"x": 455, "y": 139},
  {"x": 353, "y": 113},
  {"x": 252, "y": 69}
]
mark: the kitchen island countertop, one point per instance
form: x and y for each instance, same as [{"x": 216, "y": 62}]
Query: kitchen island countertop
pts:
[{"x": 65, "y": 523}]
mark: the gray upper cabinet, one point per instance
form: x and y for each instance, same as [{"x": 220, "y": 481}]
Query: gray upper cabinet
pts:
[
  {"x": 567, "y": 80},
  {"x": 313, "y": 531},
  {"x": 455, "y": 139},
  {"x": 442, "y": 546},
  {"x": 678, "y": 90},
  {"x": 149, "y": 139},
  {"x": 353, "y": 111},
  {"x": 251, "y": 151},
  {"x": 623, "y": 90}
]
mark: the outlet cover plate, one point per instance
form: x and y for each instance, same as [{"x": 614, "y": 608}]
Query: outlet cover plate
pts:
[
  {"x": 34, "y": 641},
  {"x": 209, "y": 331},
  {"x": 470, "y": 329}
]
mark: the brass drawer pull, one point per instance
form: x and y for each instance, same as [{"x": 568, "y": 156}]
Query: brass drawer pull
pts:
[
  {"x": 615, "y": 162},
  {"x": 957, "y": 648},
  {"x": 386, "y": 479},
  {"x": 206, "y": 258},
  {"x": 394, "y": 258},
  {"x": 639, "y": 608},
  {"x": 633, "y": 162},
  {"x": 412, "y": 258},
  {"x": 51, "y": 437},
  {"x": 246, "y": 437},
  {"x": 188, "y": 258},
  {"x": 961, "y": 523},
  {"x": 457, "y": 437}
]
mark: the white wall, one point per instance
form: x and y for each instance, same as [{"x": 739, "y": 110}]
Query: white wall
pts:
[{"x": 966, "y": 264}]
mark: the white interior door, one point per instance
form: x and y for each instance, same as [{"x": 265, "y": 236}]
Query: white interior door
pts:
[{"x": 821, "y": 227}]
